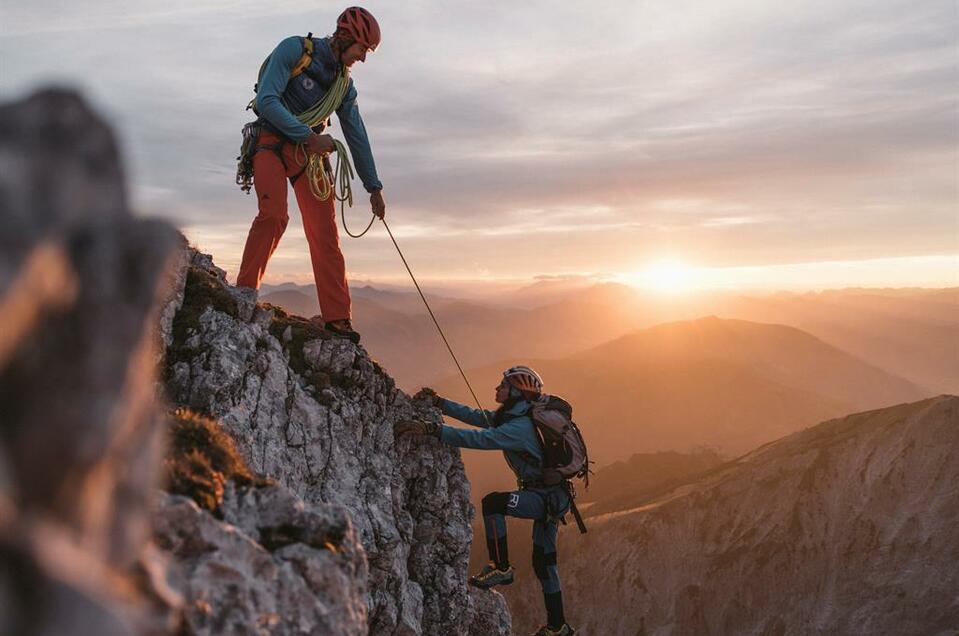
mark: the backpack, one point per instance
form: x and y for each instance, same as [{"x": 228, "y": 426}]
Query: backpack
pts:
[
  {"x": 305, "y": 59},
  {"x": 564, "y": 449}
]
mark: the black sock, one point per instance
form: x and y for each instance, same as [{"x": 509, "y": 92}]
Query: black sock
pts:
[
  {"x": 498, "y": 552},
  {"x": 554, "y": 610}
]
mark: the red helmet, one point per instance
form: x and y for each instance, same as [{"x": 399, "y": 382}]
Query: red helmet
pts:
[{"x": 361, "y": 25}]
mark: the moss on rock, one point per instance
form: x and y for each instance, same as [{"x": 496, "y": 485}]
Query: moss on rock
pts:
[
  {"x": 202, "y": 290},
  {"x": 293, "y": 332},
  {"x": 202, "y": 458}
]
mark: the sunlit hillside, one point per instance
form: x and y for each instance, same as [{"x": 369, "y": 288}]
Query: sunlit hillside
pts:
[
  {"x": 726, "y": 384},
  {"x": 912, "y": 333}
]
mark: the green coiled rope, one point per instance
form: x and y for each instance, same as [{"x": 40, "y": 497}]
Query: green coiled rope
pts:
[{"x": 343, "y": 173}]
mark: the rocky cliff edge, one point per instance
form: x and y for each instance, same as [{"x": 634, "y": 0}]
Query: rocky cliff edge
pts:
[{"x": 316, "y": 413}]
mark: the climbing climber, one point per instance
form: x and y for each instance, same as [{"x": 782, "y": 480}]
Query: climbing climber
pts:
[
  {"x": 302, "y": 82},
  {"x": 544, "y": 493}
]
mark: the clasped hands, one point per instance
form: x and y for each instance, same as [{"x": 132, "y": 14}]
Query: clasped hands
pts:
[{"x": 415, "y": 427}]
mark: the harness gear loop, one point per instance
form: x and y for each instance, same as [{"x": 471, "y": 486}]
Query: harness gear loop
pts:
[
  {"x": 435, "y": 322},
  {"x": 244, "y": 166}
]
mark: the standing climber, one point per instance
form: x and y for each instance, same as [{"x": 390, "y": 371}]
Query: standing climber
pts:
[
  {"x": 510, "y": 429},
  {"x": 297, "y": 76}
]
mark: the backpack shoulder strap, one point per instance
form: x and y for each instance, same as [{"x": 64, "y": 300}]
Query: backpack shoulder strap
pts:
[{"x": 307, "y": 56}]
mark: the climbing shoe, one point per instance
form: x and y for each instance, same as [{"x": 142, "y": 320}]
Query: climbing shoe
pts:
[
  {"x": 565, "y": 630},
  {"x": 343, "y": 329},
  {"x": 490, "y": 576}
]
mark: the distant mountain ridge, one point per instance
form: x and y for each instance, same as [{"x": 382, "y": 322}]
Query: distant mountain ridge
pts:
[
  {"x": 481, "y": 332},
  {"x": 728, "y": 384},
  {"x": 913, "y": 333},
  {"x": 848, "y": 527},
  {"x": 782, "y": 353}
]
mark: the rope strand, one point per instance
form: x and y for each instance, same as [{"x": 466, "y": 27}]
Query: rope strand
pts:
[
  {"x": 435, "y": 322},
  {"x": 323, "y": 189}
]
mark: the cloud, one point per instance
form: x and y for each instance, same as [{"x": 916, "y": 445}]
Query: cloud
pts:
[{"x": 796, "y": 130}]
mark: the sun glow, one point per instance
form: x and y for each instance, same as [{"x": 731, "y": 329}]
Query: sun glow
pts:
[{"x": 667, "y": 277}]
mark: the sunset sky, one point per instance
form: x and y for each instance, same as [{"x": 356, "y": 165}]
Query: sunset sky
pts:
[{"x": 694, "y": 144}]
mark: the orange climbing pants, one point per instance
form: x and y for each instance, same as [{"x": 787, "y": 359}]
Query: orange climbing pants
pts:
[{"x": 273, "y": 164}]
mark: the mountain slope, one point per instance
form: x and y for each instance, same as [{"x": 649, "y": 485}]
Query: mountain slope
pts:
[
  {"x": 844, "y": 528},
  {"x": 782, "y": 354},
  {"x": 397, "y": 329},
  {"x": 621, "y": 484},
  {"x": 724, "y": 383},
  {"x": 914, "y": 333}
]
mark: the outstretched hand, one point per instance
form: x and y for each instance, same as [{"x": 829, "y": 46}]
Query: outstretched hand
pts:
[
  {"x": 378, "y": 204},
  {"x": 320, "y": 144},
  {"x": 414, "y": 427}
]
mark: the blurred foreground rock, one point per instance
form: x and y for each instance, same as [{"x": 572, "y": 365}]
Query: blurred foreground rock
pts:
[{"x": 80, "y": 443}]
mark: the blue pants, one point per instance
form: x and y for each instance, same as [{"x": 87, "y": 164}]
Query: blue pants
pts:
[{"x": 544, "y": 507}]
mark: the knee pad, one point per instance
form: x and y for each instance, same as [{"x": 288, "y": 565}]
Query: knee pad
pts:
[
  {"x": 542, "y": 561},
  {"x": 495, "y": 503}
]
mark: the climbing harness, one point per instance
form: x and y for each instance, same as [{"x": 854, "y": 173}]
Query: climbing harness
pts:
[{"x": 435, "y": 322}]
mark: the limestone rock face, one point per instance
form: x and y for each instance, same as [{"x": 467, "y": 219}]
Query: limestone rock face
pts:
[
  {"x": 490, "y": 614},
  {"x": 272, "y": 565},
  {"x": 848, "y": 527},
  {"x": 316, "y": 413}
]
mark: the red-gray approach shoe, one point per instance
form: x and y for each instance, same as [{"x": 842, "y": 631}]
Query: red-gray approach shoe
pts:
[{"x": 343, "y": 329}]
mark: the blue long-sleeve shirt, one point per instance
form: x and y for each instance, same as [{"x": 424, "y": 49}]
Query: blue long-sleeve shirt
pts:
[
  {"x": 277, "y": 100},
  {"x": 516, "y": 436}
]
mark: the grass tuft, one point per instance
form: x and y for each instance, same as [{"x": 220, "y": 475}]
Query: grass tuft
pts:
[{"x": 201, "y": 459}]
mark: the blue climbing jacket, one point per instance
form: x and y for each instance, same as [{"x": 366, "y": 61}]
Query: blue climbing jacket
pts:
[
  {"x": 279, "y": 96},
  {"x": 516, "y": 436}
]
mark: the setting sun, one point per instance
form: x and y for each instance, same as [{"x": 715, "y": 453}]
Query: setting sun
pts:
[
  {"x": 317, "y": 282},
  {"x": 667, "y": 277}
]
